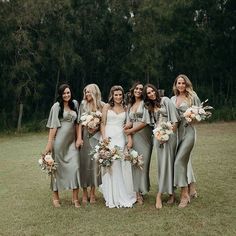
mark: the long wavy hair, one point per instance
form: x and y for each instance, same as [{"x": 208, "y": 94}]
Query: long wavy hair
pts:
[
  {"x": 189, "y": 93},
  {"x": 131, "y": 100},
  {"x": 96, "y": 103},
  {"x": 151, "y": 104},
  {"x": 111, "y": 94},
  {"x": 71, "y": 105}
]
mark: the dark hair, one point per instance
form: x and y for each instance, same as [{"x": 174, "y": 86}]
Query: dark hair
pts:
[
  {"x": 131, "y": 93},
  {"x": 71, "y": 105},
  {"x": 112, "y": 90},
  {"x": 151, "y": 104}
]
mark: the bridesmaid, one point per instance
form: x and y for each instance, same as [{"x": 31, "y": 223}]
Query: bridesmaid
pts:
[
  {"x": 141, "y": 132},
  {"x": 184, "y": 98},
  {"x": 163, "y": 110},
  {"x": 89, "y": 175},
  {"x": 61, "y": 142}
]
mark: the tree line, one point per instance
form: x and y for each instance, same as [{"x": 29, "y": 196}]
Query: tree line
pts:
[{"x": 46, "y": 42}]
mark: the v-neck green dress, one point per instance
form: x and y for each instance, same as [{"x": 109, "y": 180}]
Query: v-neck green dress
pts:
[
  {"x": 186, "y": 138},
  {"x": 64, "y": 151},
  {"x": 90, "y": 175},
  {"x": 142, "y": 143},
  {"x": 166, "y": 152}
]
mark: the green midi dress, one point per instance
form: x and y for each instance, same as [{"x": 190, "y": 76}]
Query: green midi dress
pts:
[
  {"x": 186, "y": 138},
  {"x": 166, "y": 152},
  {"x": 142, "y": 143},
  {"x": 64, "y": 151}
]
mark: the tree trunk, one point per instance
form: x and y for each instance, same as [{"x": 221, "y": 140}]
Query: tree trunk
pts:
[
  {"x": 56, "y": 87},
  {"x": 20, "y": 117}
]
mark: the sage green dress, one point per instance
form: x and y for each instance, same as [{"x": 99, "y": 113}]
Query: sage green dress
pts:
[
  {"x": 142, "y": 143},
  {"x": 90, "y": 175},
  {"x": 64, "y": 151},
  {"x": 186, "y": 138},
  {"x": 166, "y": 152}
]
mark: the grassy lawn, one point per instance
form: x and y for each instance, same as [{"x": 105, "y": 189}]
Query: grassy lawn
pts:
[{"x": 26, "y": 208}]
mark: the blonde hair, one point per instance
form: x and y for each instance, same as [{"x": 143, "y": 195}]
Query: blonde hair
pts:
[
  {"x": 189, "y": 93},
  {"x": 96, "y": 104}
]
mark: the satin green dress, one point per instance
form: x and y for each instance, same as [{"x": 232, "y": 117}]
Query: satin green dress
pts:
[
  {"x": 166, "y": 152},
  {"x": 90, "y": 175},
  {"x": 186, "y": 138},
  {"x": 142, "y": 143},
  {"x": 64, "y": 151}
]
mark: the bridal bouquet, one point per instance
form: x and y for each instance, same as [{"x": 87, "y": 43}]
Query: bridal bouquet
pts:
[
  {"x": 198, "y": 113},
  {"x": 47, "y": 164},
  {"x": 91, "y": 120},
  {"x": 104, "y": 154},
  {"x": 134, "y": 158},
  {"x": 163, "y": 131}
]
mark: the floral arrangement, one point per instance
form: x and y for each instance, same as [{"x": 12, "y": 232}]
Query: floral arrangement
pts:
[
  {"x": 162, "y": 132},
  {"x": 195, "y": 113},
  {"x": 104, "y": 154},
  {"x": 47, "y": 164},
  {"x": 91, "y": 120},
  {"x": 134, "y": 158}
]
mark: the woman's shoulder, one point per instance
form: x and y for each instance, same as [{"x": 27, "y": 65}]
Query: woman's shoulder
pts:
[
  {"x": 75, "y": 102},
  {"x": 106, "y": 106},
  {"x": 56, "y": 105},
  {"x": 165, "y": 99}
]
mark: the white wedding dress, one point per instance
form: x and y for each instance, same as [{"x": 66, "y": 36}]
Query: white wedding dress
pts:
[{"x": 117, "y": 183}]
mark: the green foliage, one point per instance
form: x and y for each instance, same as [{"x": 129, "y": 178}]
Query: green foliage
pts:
[{"x": 44, "y": 43}]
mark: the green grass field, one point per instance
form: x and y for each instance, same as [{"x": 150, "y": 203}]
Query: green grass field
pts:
[{"x": 26, "y": 208}]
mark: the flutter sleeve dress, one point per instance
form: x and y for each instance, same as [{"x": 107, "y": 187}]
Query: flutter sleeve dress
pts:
[
  {"x": 64, "y": 151},
  {"x": 166, "y": 152},
  {"x": 142, "y": 143}
]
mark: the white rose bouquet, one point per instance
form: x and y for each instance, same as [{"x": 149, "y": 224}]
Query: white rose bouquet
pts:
[
  {"x": 47, "y": 164},
  {"x": 104, "y": 154},
  {"x": 163, "y": 131},
  {"x": 92, "y": 121},
  {"x": 195, "y": 113},
  {"x": 134, "y": 158}
]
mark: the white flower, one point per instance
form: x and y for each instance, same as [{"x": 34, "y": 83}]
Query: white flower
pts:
[
  {"x": 97, "y": 148},
  {"x": 198, "y": 117},
  {"x": 202, "y": 111},
  {"x": 95, "y": 156},
  {"x": 98, "y": 113},
  {"x": 83, "y": 117},
  {"x": 48, "y": 157},
  {"x": 134, "y": 153},
  {"x": 89, "y": 117},
  {"x": 40, "y": 161},
  {"x": 165, "y": 137}
]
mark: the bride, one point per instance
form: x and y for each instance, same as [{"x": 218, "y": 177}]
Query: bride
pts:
[{"x": 117, "y": 185}]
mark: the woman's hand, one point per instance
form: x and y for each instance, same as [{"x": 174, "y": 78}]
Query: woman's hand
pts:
[
  {"x": 128, "y": 125},
  {"x": 79, "y": 143},
  {"x": 129, "y": 144},
  {"x": 128, "y": 131},
  {"x": 174, "y": 127}
]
